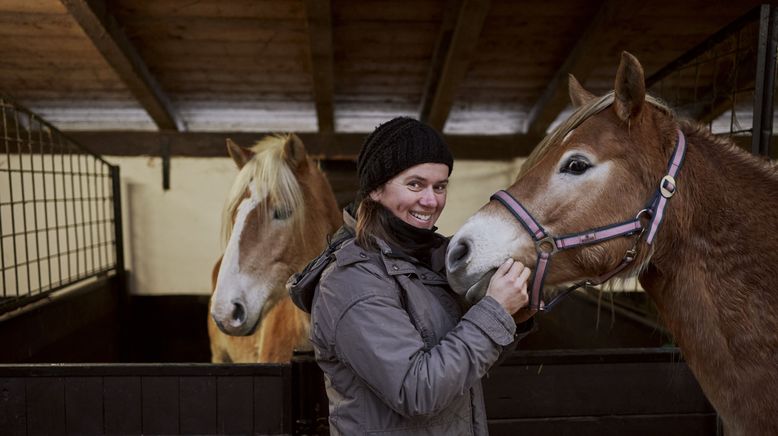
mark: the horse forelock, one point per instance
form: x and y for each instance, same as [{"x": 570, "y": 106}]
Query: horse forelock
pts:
[
  {"x": 272, "y": 179},
  {"x": 583, "y": 113}
]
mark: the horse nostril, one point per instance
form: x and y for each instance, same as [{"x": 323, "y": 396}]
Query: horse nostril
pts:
[
  {"x": 458, "y": 255},
  {"x": 238, "y": 313}
]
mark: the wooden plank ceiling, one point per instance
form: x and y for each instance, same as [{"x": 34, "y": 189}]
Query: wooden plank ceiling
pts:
[{"x": 126, "y": 76}]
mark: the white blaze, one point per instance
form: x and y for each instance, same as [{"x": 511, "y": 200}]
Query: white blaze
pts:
[{"x": 232, "y": 284}]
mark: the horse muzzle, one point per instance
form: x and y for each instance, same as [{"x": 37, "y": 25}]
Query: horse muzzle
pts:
[{"x": 234, "y": 320}]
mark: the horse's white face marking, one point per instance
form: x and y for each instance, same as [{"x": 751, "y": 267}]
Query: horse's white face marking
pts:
[
  {"x": 565, "y": 189},
  {"x": 492, "y": 240},
  {"x": 234, "y": 285}
]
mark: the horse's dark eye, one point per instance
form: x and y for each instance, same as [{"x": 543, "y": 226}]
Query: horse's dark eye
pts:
[
  {"x": 281, "y": 214},
  {"x": 576, "y": 165}
]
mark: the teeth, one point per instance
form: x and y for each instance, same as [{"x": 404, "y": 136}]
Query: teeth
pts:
[{"x": 421, "y": 217}]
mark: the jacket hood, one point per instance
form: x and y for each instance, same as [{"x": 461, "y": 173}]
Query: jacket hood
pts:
[{"x": 302, "y": 285}]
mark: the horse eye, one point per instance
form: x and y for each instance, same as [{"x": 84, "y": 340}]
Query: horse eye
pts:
[
  {"x": 576, "y": 165},
  {"x": 281, "y": 214}
]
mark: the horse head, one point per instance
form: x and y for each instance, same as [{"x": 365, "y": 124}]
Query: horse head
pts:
[
  {"x": 599, "y": 167},
  {"x": 278, "y": 215}
]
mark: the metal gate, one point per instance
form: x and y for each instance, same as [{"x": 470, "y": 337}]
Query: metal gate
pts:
[{"x": 60, "y": 210}]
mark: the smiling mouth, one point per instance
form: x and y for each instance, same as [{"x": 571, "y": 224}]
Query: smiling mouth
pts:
[{"x": 421, "y": 217}]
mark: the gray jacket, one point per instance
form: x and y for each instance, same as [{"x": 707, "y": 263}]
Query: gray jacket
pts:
[{"x": 399, "y": 355}]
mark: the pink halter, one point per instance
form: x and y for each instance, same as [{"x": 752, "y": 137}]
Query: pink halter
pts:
[{"x": 547, "y": 245}]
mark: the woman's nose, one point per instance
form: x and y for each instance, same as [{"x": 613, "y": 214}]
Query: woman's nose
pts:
[{"x": 428, "y": 198}]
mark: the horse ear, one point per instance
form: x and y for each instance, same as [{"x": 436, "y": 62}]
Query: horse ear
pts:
[
  {"x": 294, "y": 151},
  {"x": 578, "y": 95},
  {"x": 239, "y": 154},
  {"x": 630, "y": 88}
]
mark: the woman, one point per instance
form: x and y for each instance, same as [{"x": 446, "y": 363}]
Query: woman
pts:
[{"x": 399, "y": 353}]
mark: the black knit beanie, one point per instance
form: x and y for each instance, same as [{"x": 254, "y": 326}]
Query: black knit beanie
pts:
[{"x": 395, "y": 146}]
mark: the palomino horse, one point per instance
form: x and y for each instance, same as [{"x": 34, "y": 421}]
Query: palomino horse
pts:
[
  {"x": 709, "y": 263},
  {"x": 280, "y": 210}
]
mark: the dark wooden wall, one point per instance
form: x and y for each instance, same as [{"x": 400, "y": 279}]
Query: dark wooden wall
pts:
[
  {"x": 76, "y": 326},
  {"x": 603, "y": 392},
  {"x": 145, "y": 399}
]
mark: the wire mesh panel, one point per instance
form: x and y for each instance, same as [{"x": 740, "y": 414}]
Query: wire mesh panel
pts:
[
  {"x": 719, "y": 81},
  {"x": 57, "y": 210}
]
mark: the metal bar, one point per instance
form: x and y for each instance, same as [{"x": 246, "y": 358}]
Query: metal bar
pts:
[
  {"x": 14, "y": 303},
  {"x": 103, "y": 217},
  {"x": 21, "y": 108},
  {"x": 117, "y": 219},
  {"x": 165, "y": 166},
  {"x": 65, "y": 206},
  {"x": 76, "y": 217},
  {"x": 765, "y": 82},
  {"x": 69, "y": 226},
  {"x": 10, "y": 192},
  {"x": 733, "y": 91},
  {"x": 45, "y": 206},
  {"x": 82, "y": 217},
  {"x": 24, "y": 209},
  {"x": 33, "y": 201},
  {"x": 31, "y": 120},
  {"x": 14, "y": 170},
  {"x": 98, "y": 227},
  {"x": 90, "y": 246},
  {"x": 56, "y": 212},
  {"x": 85, "y": 213}
]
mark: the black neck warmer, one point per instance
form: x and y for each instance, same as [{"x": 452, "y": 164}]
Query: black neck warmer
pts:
[{"x": 411, "y": 240}]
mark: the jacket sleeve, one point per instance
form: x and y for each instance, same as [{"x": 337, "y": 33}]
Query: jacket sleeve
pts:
[{"x": 377, "y": 340}]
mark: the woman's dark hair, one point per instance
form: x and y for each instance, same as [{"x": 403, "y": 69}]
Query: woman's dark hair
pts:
[{"x": 372, "y": 222}]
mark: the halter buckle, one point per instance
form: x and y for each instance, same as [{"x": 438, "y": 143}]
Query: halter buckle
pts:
[
  {"x": 546, "y": 245},
  {"x": 667, "y": 186}
]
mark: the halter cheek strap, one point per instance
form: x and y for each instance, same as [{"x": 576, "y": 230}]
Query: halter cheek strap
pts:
[{"x": 547, "y": 245}]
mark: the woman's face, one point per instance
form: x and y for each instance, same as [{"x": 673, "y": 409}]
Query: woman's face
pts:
[{"x": 416, "y": 195}]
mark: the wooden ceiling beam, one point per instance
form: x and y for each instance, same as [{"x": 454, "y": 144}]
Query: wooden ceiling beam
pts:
[
  {"x": 460, "y": 30},
  {"x": 107, "y": 36},
  {"x": 585, "y": 55},
  {"x": 319, "y": 18},
  {"x": 339, "y": 146}
]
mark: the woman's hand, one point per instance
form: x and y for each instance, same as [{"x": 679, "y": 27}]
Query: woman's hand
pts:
[{"x": 509, "y": 286}]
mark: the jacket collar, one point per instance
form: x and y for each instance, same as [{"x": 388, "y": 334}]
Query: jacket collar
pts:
[{"x": 395, "y": 262}]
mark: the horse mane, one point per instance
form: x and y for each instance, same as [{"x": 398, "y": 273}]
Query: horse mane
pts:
[
  {"x": 737, "y": 156},
  {"x": 580, "y": 115},
  {"x": 273, "y": 180}
]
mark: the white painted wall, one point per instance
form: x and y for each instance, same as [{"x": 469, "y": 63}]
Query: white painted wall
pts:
[{"x": 172, "y": 238}]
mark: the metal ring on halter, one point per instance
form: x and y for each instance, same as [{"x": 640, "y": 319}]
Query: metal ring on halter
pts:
[
  {"x": 546, "y": 245},
  {"x": 649, "y": 213}
]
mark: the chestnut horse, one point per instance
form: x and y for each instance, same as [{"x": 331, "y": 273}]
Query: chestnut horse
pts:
[
  {"x": 711, "y": 263},
  {"x": 279, "y": 213}
]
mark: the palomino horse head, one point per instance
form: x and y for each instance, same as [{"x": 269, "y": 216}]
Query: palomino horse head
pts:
[
  {"x": 601, "y": 166},
  {"x": 279, "y": 212}
]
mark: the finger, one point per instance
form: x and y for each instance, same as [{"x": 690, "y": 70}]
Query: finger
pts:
[
  {"x": 524, "y": 276},
  {"x": 515, "y": 270},
  {"x": 504, "y": 268}
]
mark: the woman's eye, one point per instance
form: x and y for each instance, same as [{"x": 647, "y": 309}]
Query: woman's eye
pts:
[
  {"x": 414, "y": 186},
  {"x": 441, "y": 188},
  {"x": 576, "y": 166},
  {"x": 281, "y": 214}
]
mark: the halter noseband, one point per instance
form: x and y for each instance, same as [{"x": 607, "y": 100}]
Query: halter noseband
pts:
[{"x": 547, "y": 245}]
